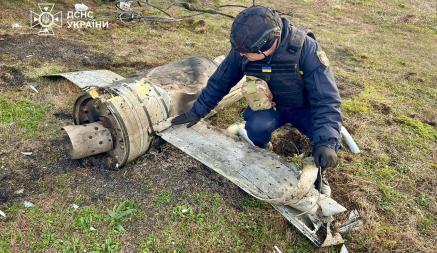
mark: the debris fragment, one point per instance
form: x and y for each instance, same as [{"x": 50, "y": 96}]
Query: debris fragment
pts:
[
  {"x": 353, "y": 147},
  {"x": 125, "y": 5},
  {"x": 28, "y": 204},
  {"x": 2, "y": 214},
  {"x": 75, "y": 206},
  {"x": 332, "y": 238},
  {"x": 344, "y": 249},
  {"x": 26, "y": 153},
  {"x": 305, "y": 200},
  {"x": 353, "y": 222},
  {"x": 21, "y": 191},
  {"x": 80, "y": 7},
  {"x": 276, "y": 249},
  {"x": 353, "y": 215},
  {"x": 16, "y": 25},
  {"x": 33, "y": 88},
  {"x": 219, "y": 59},
  {"x": 93, "y": 229}
]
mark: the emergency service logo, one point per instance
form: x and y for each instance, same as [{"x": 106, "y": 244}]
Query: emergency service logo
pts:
[
  {"x": 80, "y": 18},
  {"x": 46, "y": 19}
]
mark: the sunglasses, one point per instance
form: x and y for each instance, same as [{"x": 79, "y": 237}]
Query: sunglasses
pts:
[{"x": 257, "y": 45}]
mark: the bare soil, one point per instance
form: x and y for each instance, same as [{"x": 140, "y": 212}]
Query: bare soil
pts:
[{"x": 52, "y": 49}]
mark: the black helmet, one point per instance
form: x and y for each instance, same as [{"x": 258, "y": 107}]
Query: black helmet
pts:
[{"x": 255, "y": 29}]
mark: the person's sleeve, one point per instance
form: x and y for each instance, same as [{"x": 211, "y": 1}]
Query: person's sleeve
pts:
[
  {"x": 323, "y": 95},
  {"x": 227, "y": 75}
]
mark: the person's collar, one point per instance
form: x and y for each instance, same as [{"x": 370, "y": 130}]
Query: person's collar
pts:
[{"x": 285, "y": 33}]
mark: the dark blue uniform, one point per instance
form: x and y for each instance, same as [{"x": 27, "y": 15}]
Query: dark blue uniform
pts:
[{"x": 303, "y": 89}]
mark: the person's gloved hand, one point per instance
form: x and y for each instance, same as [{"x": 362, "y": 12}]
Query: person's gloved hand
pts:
[
  {"x": 325, "y": 157},
  {"x": 187, "y": 117}
]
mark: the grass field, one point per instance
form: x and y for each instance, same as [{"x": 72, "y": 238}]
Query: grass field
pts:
[{"x": 384, "y": 57}]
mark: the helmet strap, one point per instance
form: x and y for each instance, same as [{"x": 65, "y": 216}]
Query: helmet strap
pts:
[{"x": 265, "y": 56}]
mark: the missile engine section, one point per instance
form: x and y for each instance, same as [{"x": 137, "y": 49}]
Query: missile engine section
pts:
[{"x": 120, "y": 117}]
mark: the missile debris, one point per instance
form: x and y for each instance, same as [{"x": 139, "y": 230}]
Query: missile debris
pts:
[{"x": 120, "y": 117}]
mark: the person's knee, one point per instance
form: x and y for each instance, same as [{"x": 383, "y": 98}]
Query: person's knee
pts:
[
  {"x": 260, "y": 131},
  {"x": 301, "y": 119}
]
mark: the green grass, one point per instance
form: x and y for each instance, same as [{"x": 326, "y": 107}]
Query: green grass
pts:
[
  {"x": 163, "y": 198},
  {"x": 4, "y": 245},
  {"x": 70, "y": 245},
  {"x": 182, "y": 211},
  {"x": 147, "y": 244},
  {"x": 75, "y": 235},
  {"x": 119, "y": 213},
  {"x": 109, "y": 246},
  {"x": 86, "y": 218},
  {"x": 356, "y": 107},
  {"x": 252, "y": 202},
  {"x": 426, "y": 224},
  {"x": 390, "y": 197},
  {"x": 45, "y": 69},
  {"x": 419, "y": 128},
  {"x": 22, "y": 113},
  {"x": 422, "y": 200}
]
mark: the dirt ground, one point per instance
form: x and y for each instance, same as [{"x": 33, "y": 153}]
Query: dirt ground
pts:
[{"x": 386, "y": 80}]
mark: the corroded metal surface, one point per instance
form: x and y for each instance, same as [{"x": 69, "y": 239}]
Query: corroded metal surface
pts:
[
  {"x": 90, "y": 78},
  {"x": 183, "y": 80},
  {"x": 88, "y": 139},
  {"x": 257, "y": 171},
  {"x": 131, "y": 107},
  {"x": 249, "y": 167}
]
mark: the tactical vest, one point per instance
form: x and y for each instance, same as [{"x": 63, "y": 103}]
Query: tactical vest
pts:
[{"x": 282, "y": 74}]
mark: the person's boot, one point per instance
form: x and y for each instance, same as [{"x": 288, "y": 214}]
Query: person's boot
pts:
[
  {"x": 269, "y": 146},
  {"x": 238, "y": 129},
  {"x": 235, "y": 128}
]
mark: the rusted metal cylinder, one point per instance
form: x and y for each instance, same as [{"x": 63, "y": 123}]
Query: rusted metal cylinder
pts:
[
  {"x": 132, "y": 109},
  {"x": 88, "y": 139},
  {"x": 136, "y": 106}
]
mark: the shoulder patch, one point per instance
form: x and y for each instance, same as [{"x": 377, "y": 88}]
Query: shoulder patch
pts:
[{"x": 323, "y": 58}]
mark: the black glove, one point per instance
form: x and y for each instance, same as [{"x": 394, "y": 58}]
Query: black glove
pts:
[
  {"x": 187, "y": 117},
  {"x": 325, "y": 157}
]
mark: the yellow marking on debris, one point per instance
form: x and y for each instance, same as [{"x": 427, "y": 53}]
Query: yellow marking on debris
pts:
[
  {"x": 144, "y": 89},
  {"x": 94, "y": 93}
]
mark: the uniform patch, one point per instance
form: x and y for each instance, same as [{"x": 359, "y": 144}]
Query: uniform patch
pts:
[
  {"x": 266, "y": 69},
  {"x": 257, "y": 93},
  {"x": 323, "y": 58}
]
